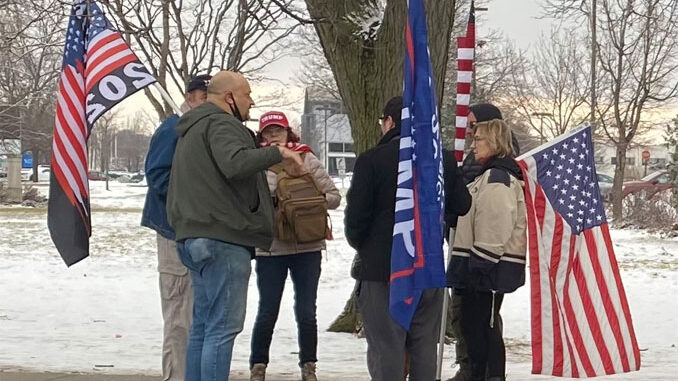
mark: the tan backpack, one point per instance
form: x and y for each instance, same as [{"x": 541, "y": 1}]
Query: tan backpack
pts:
[{"x": 301, "y": 212}]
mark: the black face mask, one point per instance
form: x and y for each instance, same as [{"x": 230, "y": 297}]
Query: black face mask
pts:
[{"x": 235, "y": 111}]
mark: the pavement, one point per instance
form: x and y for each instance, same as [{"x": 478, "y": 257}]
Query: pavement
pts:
[{"x": 49, "y": 376}]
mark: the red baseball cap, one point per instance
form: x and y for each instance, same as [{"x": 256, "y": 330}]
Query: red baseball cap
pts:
[{"x": 272, "y": 118}]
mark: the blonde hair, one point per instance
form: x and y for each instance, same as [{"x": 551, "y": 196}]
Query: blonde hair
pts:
[{"x": 498, "y": 135}]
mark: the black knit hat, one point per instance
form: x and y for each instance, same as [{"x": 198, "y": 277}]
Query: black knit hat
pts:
[
  {"x": 199, "y": 82},
  {"x": 485, "y": 111},
  {"x": 393, "y": 108}
]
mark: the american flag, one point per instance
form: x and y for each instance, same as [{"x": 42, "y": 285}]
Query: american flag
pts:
[
  {"x": 465, "y": 54},
  {"x": 581, "y": 321},
  {"x": 98, "y": 71}
]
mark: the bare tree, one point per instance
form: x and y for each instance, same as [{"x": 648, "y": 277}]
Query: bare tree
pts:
[
  {"x": 672, "y": 143},
  {"x": 315, "y": 72},
  {"x": 30, "y": 63},
  {"x": 132, "y": 141},
  {"x": 101, "y": 141},
  {"x": 182, "y": 38},
  {"x": 638, "y": 57},
  {"x": 363, "y": 42},
  {"x": 496, "y": 63},
  {"x": 637, "y": 43},
  {"x": 551, "y": 93}
]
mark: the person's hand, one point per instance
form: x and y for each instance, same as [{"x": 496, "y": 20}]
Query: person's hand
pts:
[{"x": 292, "y": 162}]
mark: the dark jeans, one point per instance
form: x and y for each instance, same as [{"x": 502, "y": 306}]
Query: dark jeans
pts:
[
  {"x": 485, "y": 344},
  {"x": 272, "y": 271}
]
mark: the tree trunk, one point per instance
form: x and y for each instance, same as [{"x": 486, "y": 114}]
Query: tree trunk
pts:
[
  {"x": 36, "y": 160},
  {"x": 617, "y": 186},
  {"x": 368, "y": 69}
]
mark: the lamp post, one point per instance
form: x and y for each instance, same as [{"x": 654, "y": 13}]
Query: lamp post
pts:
[
  {"x": 541, "y": 116},
  {"x": 332, "y": 111}
]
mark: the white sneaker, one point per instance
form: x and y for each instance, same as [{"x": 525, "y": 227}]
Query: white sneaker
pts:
[
  {"x": 308, "y": 372},
  {"x": 258, "y": 372}
]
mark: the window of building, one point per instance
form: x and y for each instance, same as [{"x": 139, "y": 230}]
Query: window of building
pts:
[
  {"x": 333, "y": 167},
  {"x": 336, "y": 147},
  {"x": 629, "y": 160}
]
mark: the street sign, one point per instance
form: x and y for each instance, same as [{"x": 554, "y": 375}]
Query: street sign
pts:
[
  {"x": 27, "y": 160},
  {"x": 646, "y": 154},
  {"x": 10, "y": 147}
]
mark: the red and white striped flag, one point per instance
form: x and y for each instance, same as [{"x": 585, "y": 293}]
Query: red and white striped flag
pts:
[
  {"x": 465, "y": 54},
  {"x": 98, "y": 71},
  {"x": 581, "y": 321}
]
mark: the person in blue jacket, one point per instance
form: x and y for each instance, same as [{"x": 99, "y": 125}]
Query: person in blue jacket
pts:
[{"x": 175, "y": 283}]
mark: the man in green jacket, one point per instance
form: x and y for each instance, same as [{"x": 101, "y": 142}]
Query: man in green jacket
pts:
[{"x": 221, "y": 209}]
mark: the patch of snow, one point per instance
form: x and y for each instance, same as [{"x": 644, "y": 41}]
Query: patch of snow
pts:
[
  {"x": 368, "y": 19},
  {"x": 105, "y": 310}
]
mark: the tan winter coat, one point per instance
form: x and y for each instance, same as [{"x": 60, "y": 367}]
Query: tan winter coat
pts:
[
  {"x": 490, "y": 242},
  {"x": 326, "y": 185}
]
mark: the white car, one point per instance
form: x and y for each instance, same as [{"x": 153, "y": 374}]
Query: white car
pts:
[{"x": 43, "y": 173}]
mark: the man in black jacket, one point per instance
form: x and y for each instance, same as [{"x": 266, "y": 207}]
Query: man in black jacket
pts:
[{"x": 369, "y": 220}]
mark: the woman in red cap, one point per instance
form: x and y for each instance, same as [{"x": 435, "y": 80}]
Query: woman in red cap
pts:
[{"x": 295, "y": 251}]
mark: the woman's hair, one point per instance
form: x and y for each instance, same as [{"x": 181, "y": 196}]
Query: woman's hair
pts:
[
  {"x": 498, "y": 135},
  {"x": 291, "y": 137}
]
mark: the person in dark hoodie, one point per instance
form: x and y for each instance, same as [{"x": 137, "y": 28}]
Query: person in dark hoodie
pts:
[
  {"x": 175, "y": 284},
  {"x": 488, "y": 257},
  {"x": 221, "y": 209},
  {"x": 369, "y": 220}
]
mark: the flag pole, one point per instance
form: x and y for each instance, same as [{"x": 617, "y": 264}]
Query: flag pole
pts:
[
  {"x": 443, "y": 318},
  {"x": 165, "y": 95}
]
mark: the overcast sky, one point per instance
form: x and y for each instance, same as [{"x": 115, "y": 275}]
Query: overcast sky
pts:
[{"x": 517, "y": 20}]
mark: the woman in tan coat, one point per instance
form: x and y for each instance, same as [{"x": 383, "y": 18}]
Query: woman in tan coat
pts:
[
  {"x": 287, "y": 254},
  {"x": 488, "y": 257}
]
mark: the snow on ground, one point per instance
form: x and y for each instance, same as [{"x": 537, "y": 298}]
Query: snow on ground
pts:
[{"x": 103, "y": 314}]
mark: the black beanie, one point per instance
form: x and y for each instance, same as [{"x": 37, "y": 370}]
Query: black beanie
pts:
[{"x": 485, "y": 111}]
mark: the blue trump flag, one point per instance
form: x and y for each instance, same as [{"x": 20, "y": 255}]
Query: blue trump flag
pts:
[{"x": 417, "y": 254}]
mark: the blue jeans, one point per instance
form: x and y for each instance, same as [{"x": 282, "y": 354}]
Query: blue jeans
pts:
[
  {"x": 220, "y": 274},
  {"x": 271, "y": 275}
]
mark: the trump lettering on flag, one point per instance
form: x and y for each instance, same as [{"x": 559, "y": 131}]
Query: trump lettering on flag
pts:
[
  {"x": 417, "y": 251},
  {"x": 581, "y": 321}
]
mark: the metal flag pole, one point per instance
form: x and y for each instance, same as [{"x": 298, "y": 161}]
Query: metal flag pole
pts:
[
  {"x": 443, "y": 319},
  {"x": 168, "y": 98}
]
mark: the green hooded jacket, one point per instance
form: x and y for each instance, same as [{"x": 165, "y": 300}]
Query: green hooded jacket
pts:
[{"x": 218, "y": 186}]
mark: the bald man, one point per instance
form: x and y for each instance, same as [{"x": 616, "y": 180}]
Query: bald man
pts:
[{"x": 220, "y": 208}]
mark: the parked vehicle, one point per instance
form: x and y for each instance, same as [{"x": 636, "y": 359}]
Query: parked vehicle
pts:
[
  {"x": 26, "y": 174},
  {"x": 96, "y": 176},
  {"x": 43, "y": 173},
  {"x": 652, "y": 184}
]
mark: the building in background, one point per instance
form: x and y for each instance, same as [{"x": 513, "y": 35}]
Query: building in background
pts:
[
  {"x": 606, "y": 159},
  {"x": 326, "y": 129}
]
